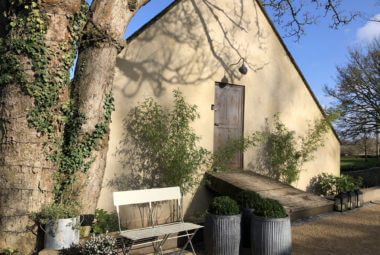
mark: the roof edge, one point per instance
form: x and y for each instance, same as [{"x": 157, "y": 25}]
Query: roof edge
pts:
[
  {"x": 152, "y": 21},
  {"x": 296, "y": 66}
]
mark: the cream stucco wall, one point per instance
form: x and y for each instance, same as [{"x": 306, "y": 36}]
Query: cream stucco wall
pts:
[{"x": 195, "y": 44}]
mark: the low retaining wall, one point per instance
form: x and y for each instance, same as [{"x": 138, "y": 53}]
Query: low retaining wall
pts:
[
  {"x": 371, "y": 176},
  {"x": 371, "y": 194}
]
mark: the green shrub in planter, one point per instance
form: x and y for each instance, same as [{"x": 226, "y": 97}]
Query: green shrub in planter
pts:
[
  {"x": 55, "y": 212},
  {"x": 248, "y": 199},
  {"x": 223, "y": 205},
  {"x": 269, "y": 208}
]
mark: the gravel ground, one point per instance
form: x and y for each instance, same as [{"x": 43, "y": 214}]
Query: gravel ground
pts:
[{"x": 354, "y": 232}]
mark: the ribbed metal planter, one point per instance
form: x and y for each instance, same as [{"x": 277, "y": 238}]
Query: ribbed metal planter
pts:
[
  {"x": 222, "y": 234},
  {"x": 246, "y": 227},
  {"x": 271, "y": 236}
]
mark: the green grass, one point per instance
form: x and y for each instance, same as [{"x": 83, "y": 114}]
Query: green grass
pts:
[{"x": 348, "y": 164}]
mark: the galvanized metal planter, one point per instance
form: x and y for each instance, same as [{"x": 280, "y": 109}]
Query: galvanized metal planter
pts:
[
  {"x": 271, "y": 236},
  {"x": 246, "y": 227},
  {"x": 61, "y": 234},
  {"x": 222, "y": 234}
]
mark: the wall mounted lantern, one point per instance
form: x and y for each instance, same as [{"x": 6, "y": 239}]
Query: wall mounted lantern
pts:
[{"x": 243, "y": 69}]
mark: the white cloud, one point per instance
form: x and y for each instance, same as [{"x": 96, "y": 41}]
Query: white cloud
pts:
[{"x": 369, "y": 31}]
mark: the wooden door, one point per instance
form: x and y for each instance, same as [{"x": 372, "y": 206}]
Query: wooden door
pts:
[{"x": 229, "y": 117}]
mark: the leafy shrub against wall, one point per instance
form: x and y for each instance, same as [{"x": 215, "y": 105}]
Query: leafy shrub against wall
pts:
[
  {"x": 226, "y": 153},
  {"x": 160, "y": 147},
  {"x": 104, "y": 222},
  {"x": 327, "y": 184},
  {"x": 287, "y": 153}
]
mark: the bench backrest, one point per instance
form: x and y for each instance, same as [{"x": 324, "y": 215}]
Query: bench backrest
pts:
[{"x": 148, "y": 196}]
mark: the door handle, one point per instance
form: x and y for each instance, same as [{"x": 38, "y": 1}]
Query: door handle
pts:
[{"x": 216, "y": 124}]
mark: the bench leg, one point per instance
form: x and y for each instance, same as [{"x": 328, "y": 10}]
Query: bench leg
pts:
[
  {"x": 158, "y": 249},
  {"x": 126, "y": 248},
  {"x": 189, "y": 237}
]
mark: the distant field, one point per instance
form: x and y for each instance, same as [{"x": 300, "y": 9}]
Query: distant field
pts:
[{"x": 348, "y": 164}]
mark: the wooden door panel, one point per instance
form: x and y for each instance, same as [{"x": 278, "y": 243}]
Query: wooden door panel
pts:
[{"x": 229, "y": 117}]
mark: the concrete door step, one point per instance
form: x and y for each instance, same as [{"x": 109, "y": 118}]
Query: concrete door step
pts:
[{"x": 298, "y": 204}]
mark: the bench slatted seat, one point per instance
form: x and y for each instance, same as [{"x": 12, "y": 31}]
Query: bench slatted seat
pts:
[{"x": 156, "y": 235}]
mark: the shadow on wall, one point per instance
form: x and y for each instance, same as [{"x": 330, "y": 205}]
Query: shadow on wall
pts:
[
  {"x": 198, "y": 206},
  {"x": 182, "y": 48},
  {"x": 261, "y": 163},
  {"x": 140, "y": 162},
  {"x": 138, "y": 216},
  {"x": 314, "y": 185},
  {"x": 188, "y": 26}
]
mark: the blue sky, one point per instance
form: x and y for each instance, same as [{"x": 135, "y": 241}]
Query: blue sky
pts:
[{"x": 319, "y": 51}]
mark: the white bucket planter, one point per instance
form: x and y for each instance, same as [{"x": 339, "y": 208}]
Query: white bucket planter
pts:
[
  {"x": 222, "y": 234},
  {"x": 61, "y": 234},
  {"x": 271, "y": 236}
]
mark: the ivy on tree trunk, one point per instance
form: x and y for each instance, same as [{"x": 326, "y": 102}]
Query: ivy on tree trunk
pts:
[{"x": 44, "y": 115}]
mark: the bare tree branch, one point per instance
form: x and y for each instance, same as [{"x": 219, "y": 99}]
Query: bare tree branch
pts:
[{"x": 295, "y": 15}]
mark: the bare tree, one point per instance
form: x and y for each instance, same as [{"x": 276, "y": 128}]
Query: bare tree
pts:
[{"x": 357, "y": 93}]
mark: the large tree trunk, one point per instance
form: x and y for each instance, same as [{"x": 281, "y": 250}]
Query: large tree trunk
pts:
[
  {"x": 26, "y": 181},
  {"x": 377, "y": 140},
  {"x": 101, "y": 42},
  {"x": 365, "y": 146}
]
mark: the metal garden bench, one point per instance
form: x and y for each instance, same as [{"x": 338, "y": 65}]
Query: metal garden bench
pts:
[{"x": 158, "y": 234}]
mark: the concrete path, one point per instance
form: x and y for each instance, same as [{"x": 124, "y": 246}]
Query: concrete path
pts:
[{"x": 298, "y": 204}]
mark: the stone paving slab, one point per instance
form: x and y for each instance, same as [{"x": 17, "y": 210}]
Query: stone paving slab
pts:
[{"x": 298, "y": 204}]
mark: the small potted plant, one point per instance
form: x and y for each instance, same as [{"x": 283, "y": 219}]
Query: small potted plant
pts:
[
  {"x": 60, "y": 222},
  {"x": 101, "y": 245},
  {"x": 347, "y": 198},
  {"x": 222, "y": 227},
  {"x": 247, "y": 200},
  {"x": 270, "y": 229}
]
